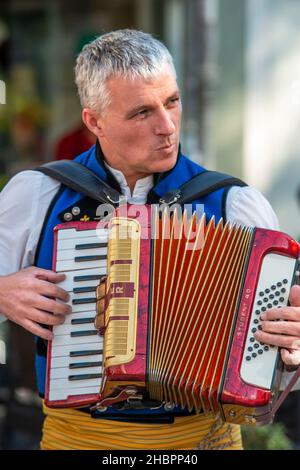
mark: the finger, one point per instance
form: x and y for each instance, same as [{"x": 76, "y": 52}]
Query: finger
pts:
[
  {"x": 281, "y": 327},
  {"x": 290, "y": 358},
  {"x": 50, "y": 276},
  {"x": 51, "y": 290},
  {"x": 284, "y": 313},
  {"x": 45, "y": 318},
  {"x": 294, "y": 297},
  {"x": 283, "y": 341},
  {"x": 52, "y": 306},
  {"x": 37, "y": 330}
]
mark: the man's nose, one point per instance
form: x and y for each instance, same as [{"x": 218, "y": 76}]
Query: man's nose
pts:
[{"x": 164, "y": 124}]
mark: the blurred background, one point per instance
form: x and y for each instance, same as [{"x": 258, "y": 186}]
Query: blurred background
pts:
[{"x": 238, "y": 70}]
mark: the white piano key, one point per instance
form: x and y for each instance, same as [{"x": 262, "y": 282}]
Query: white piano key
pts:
[
  {"x": 65, "y": 361},
  {"x": 64, "y": 394},
  {"x": 69, "y": 284},
  {"x": 82, "y": 307},
  {"x": 78, "y": 316},
  {"x": 65, "y": 349},
  {"x": 71, "y": 265},
  {"x": 67, "y": 329},
  {"x": 78, "y": 234},
  {"x": 70, "y": 243},
  {"x": 63, "y": 255},
  {"x": 59, "y": 384},
  {"x": 65, "y": 372},
  {"x": 81, "y": 295},
  {"x": 64, "y": 340}
]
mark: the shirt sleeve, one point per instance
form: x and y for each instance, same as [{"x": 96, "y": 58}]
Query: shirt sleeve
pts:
[
  {"x": 23, "y": 205},
  {"x": 247, "y": 206}
]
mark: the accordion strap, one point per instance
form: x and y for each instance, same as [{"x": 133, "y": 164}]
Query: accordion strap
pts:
[
  {"x": 287, "y": 390},
  {"x": 78, "y": 177},
  {"x": 269, "y": 416},
  {"x": 199, "y": 186}
]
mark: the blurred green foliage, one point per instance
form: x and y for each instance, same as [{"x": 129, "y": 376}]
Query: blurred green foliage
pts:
[
  {"x": 3, "y": 180},
  {"x": 271, "y": 437}
]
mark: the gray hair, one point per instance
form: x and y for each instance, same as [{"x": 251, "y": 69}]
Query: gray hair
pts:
[{"x": 127, "y": 53}]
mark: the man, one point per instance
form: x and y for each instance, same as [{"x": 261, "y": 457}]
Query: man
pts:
[{"x": 131, "y": 103}]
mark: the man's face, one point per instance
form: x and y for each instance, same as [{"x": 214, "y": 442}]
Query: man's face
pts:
[{"x": 139, "y": 131}]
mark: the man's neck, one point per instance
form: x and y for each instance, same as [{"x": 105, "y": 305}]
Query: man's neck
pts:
[
  {"x": 129, "y": 181},
  {"x": 131, "y": 178}
]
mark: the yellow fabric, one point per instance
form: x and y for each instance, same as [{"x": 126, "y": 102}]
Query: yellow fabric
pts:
[{"x": 69, "y": 429}]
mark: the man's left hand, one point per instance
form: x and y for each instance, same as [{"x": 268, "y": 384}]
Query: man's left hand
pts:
[{"x": 285, "y": 332}]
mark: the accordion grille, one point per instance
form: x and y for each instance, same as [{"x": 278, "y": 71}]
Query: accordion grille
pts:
[
  {"x": 196, "y": 280},
  {"x": 121, "y": 313}
]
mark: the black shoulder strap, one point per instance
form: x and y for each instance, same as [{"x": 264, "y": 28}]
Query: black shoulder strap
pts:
[
  {"x": 199, "y": 186},
  {"x": 79, "y": 178},
  {"x": 76, "y": 176}
]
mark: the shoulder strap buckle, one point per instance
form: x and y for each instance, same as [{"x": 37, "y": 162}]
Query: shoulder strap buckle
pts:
[{"x": 171, "y": 197}]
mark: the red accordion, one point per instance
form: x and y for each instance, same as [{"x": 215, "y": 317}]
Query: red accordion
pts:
[{"x": 178, "y": 310}]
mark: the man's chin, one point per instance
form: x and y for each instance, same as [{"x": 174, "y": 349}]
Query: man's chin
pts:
[{"x": 166, "y": 163}]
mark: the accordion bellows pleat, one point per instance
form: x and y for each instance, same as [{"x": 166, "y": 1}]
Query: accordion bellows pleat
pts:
[{"x": 194, "y": 299}]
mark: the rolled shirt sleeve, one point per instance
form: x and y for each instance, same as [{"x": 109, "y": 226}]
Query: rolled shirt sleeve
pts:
[{"x": 23, "y": 205}]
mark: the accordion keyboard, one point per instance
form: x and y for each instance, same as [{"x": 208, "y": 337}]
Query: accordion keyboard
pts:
[
  {"x": 77, "y": 349},
  {"x": 259, "y": 360}
]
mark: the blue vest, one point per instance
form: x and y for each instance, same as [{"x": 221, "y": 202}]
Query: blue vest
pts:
[{"x": 65, "y": 198}]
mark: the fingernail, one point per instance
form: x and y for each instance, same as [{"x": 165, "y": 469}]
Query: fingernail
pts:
[{"x": 263, "y": 316}]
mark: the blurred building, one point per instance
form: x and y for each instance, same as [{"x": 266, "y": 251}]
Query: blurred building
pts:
[{"x": 237, "y": 64}]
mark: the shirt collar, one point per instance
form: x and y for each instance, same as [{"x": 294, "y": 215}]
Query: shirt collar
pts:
[{"x": 141, "y": 189}]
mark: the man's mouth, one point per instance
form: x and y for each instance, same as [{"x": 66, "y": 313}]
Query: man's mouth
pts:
[{"x": 166, "y": 147}]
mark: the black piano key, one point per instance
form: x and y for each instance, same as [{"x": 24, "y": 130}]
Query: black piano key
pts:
[
  {"x": 84, "y": 376},
  {"x": 88, "y": 352},
  {"x": 80, "y": 365},
  {"x": 87, "y": 300},
  {"x": 80, "y": 290},
  {"x": 82, "y": 321},
  {"x": 76, "y": 334},
  {"x": 88, "y": 277},
  {"x": 81, "y": 259},
  {"x": 89, "y": 246}
]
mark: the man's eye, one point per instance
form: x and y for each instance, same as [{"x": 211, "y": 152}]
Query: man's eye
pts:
[{"x": 142, "y": 113}]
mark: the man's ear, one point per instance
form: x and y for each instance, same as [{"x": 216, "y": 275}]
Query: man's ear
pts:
[{"x": 92, "y": 121}]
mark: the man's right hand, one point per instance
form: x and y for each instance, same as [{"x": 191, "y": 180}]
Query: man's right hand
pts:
[{"x": 29, "y": 298}]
